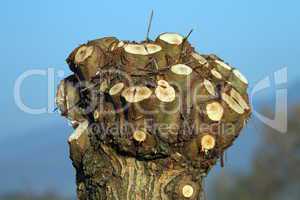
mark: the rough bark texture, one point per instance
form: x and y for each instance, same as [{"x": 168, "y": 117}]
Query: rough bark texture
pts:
[{"x": 151, "y": 118}]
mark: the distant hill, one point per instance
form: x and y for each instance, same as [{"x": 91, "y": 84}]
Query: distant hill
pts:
[
  {"x": 294, "y": 93},
  {"x": 38, "y": 161},
  {"x": 31, "y": 197}
]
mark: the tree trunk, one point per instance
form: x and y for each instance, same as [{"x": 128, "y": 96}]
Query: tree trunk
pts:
[{"x": 104, "y": 174}]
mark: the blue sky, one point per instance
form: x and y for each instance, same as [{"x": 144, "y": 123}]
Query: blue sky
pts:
[{"x": 258, "y": 37}]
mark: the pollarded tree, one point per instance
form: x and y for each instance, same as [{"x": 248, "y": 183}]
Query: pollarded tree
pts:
[{"x": 151, "y": 118}]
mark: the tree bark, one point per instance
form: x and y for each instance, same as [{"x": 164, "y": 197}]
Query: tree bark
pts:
[{"x": 101, "y": 173}]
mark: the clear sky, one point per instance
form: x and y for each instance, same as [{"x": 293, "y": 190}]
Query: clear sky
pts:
[{"x": 256, "y": 36}]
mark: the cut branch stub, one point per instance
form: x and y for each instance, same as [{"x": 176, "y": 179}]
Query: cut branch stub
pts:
[
  {"x": 204, "y": 91},
  {"x": 138, "y": 55},
  {"x": 169, "y": 113},
  {"x": 106, "y": 43},
  {"x": 171, "y": 44},
  {"x": 209, "y": 87},
  {"x": 208, "y": 142},
  {"x": 116, "y": 89},
  {"x": 146, "y": 142},
  {"x": 83, "y": 53},
  {"x": 214, "y": 111},
  {"x": 164, "y": 92},
  {"x": 136, "y": 94},
  {"x": 233, "y": 109},
  {"x": 187, "y": 191},
  {"x": 200, "y": 59},
  {"x": 68, "y": 100},
  {"x": 142, "y": 49},
  {"x": 216, "y": 75},
  {"x": 180, "y": 75},
  {"x": 87, "y": 61},
  {"x": 171, "y": 38},
  {"x": 115, "y": 93},
  {"x": 103, "y": 86},
  {"x": 181, "y": 69},
  {"x": 223, "y": 68},
  {"x": 238, "y": 81},
  {"x": 139, "y": 136},
  {"x": 238, "y": 98},
  {"x": 137, "y": 97}
]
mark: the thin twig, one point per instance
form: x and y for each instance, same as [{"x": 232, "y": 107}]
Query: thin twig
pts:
[
  {"x": 149, "y": 26},
  {"x": 183, "y": 42},
  {"x": 90, "y": 87},
  {"x": 188, "y": 35}
]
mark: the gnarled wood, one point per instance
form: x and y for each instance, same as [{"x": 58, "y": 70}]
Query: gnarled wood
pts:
[{"x": 139, "y": 109}]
